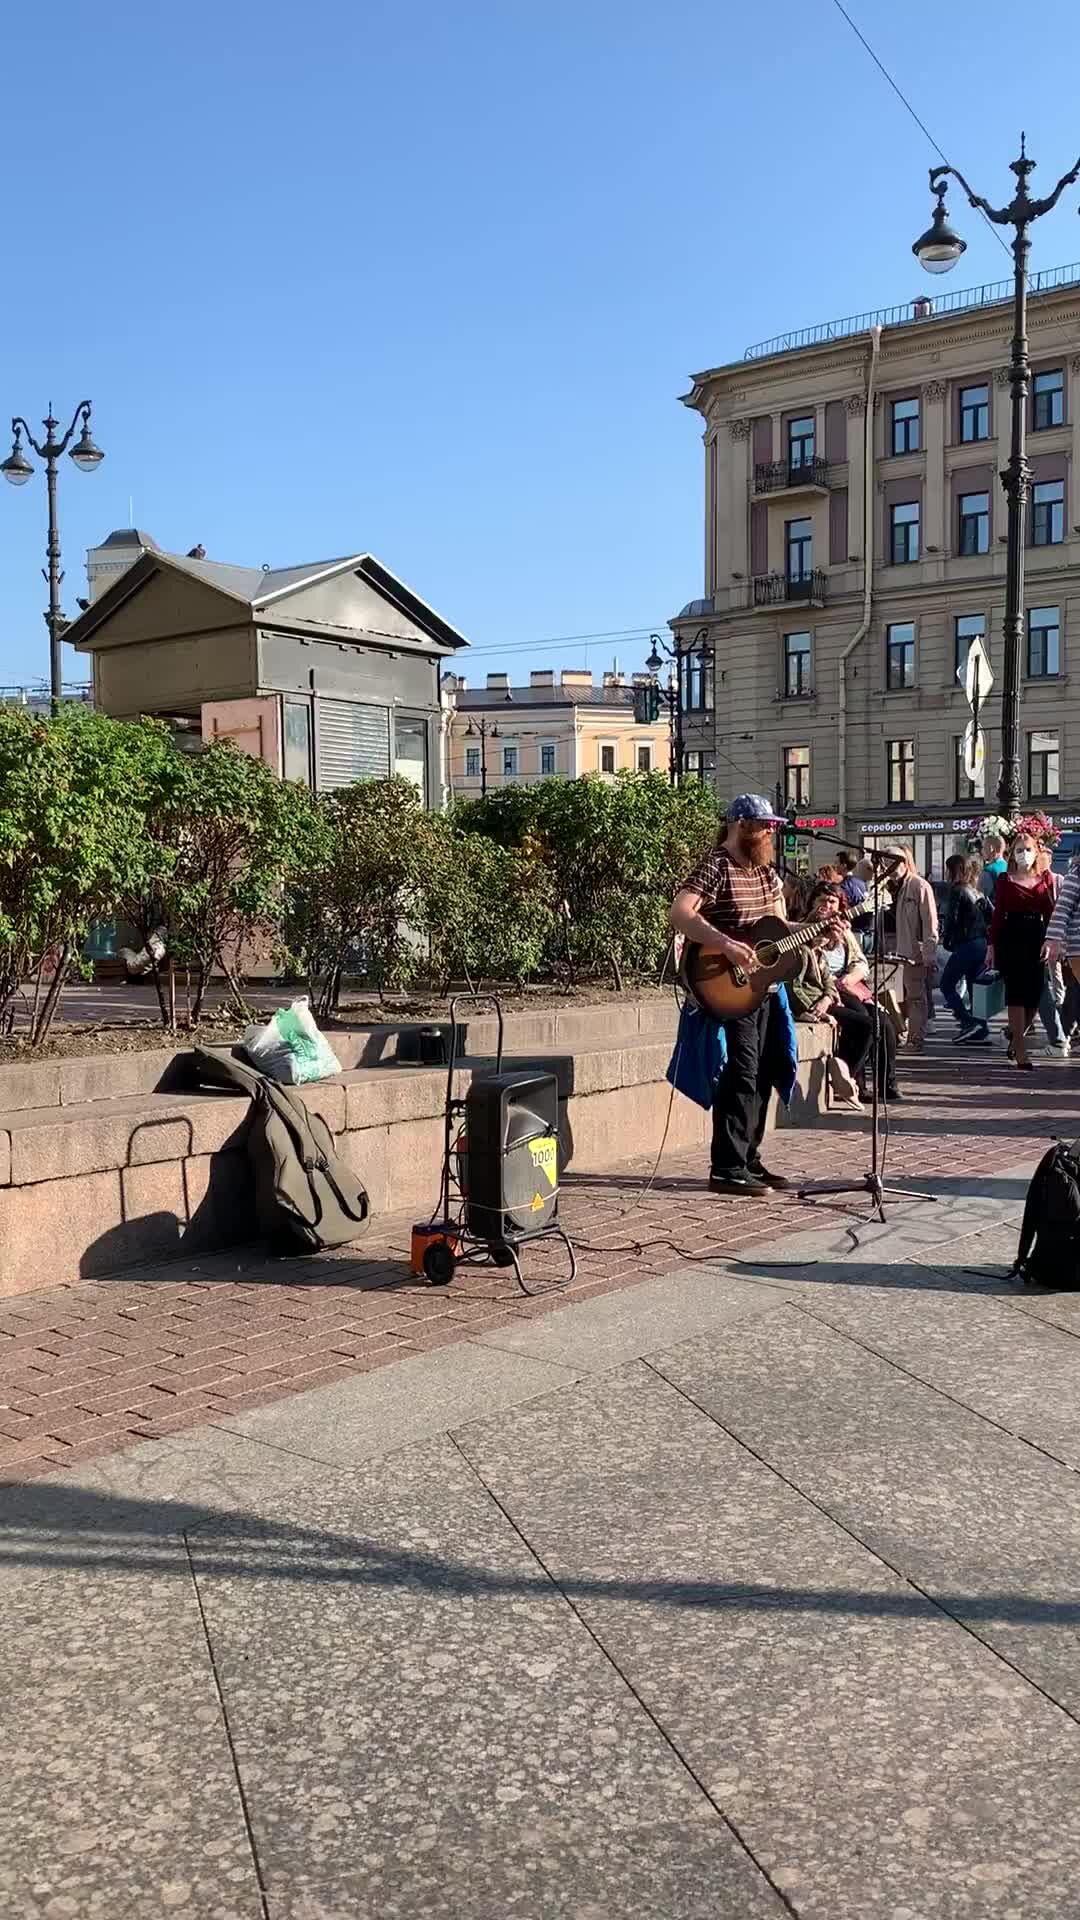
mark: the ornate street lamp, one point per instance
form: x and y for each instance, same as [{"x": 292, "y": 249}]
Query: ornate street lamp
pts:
[
  {"x": 18, "y": 470},
  {"x": 673, "y": 697},
  {"x": 486, "y": 729},
  {"x": 938, "y": 249}
]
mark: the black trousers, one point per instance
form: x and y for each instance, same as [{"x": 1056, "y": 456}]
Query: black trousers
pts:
[
  {"x": 755, "y": 1057},
  {"x": 855, "y": 1040}
]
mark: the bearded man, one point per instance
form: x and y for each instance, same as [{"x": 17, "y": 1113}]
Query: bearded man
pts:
[{"x": 737, "y": 884}]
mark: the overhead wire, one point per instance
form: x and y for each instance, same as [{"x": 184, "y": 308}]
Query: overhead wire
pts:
[{"x": 906, "y": 103}]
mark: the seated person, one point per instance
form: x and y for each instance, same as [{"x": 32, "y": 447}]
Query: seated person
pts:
[{"x": 831, "y": 986}]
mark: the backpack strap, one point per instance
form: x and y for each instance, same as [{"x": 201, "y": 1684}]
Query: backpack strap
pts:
[
  {"x": 1033, "y": 1210},
  {"x": 293, "y": 1114}
]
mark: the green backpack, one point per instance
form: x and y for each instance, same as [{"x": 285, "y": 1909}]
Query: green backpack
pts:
[{"x": 306, "y": 1197}]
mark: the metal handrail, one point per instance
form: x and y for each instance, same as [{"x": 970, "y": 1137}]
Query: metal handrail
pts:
[
  {"x": 776, "y": 476},
  {"x": 925, "y": 307},
  {"x": 772, "y": 589}
]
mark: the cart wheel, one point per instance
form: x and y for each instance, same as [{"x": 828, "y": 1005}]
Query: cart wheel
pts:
[
  {"x": 439, "y": 1264},
  {"x": 501, "y": 1257}
]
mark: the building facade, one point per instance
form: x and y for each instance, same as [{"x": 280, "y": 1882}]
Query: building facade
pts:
[
  {"x": 855, "y": 546},
  {"x": 557, "y": 725}
]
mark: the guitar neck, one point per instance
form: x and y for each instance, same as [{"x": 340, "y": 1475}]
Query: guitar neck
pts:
[{"x": 795, "y": 942}]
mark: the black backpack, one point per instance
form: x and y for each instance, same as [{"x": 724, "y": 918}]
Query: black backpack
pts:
[
  {"x": 1049, "y": 1251},
  {"x": 306, "y": 1197}
]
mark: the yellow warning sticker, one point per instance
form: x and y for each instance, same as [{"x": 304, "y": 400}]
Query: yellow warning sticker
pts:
[
  {"x": 537, "y": 1203},
  {"x": 545, "y": 1157}
]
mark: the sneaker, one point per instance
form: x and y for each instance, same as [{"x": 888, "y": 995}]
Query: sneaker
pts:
[
  {"x": 977, "y": 1035},
  {"x": 739, "y": 1184},
  {"x": 1061, "y": 1052},
  {"x": 892, "y": 1095},
  {"x": 774, "y": 1180}
]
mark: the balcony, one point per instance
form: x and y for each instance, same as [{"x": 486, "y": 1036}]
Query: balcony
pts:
[
  {"x": 781, "y": 589},
  {"x": 780, "y": 476}
]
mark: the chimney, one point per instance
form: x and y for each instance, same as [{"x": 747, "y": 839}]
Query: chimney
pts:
[
  {"x": 614, "y": 679},
  {"x": 498, "y": 683},
  {"x": 922, "y": 307},
  {"x": 641, "y": 680},
  {"x": 545, "y": 679},
  {"x": 576, "y": 677},
  {"x": 453, "y": 683}
]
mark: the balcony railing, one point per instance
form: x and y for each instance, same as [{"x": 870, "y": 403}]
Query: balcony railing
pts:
[
  {"x": 782, "y": 476},
  {"x": 774, "y": 589}
]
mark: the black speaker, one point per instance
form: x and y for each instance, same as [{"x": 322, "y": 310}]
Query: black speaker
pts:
[{"x": 509, "y": 1158}]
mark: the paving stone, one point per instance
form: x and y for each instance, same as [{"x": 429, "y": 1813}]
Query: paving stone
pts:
[
  {"x": 344, "y": 1618},
  {"x": 875, "y": 1757}
]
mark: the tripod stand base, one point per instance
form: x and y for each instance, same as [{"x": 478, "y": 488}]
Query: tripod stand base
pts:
[{"x": 869, "y": 1184}]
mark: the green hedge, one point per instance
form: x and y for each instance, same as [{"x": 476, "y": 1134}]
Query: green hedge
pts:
[{"x": 104, "y": 818}]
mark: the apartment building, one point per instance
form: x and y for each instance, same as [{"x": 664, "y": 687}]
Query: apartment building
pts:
[
  {"x": 501, "y": 735},
  {"x": 855, "y": 546}
]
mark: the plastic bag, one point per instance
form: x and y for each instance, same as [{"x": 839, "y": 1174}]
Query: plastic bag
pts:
[{"x": 290, "y": 1048}]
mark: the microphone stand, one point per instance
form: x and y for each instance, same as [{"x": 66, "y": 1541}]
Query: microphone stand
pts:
[{"x": 871, "y": 1181}]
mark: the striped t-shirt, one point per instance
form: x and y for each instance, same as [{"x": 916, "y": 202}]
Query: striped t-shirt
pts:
[{"x": 733, "y": 897}]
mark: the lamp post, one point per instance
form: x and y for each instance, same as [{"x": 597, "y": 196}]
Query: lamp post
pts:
[
  {"x": 673, "y": 699},
  {"x": 18, "y": 470},
  {"x": 485, "y": 729},
  {"x": 938, "y": 249}
]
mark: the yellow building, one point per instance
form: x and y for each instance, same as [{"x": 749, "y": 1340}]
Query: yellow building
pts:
[{"x": 502, "y": 735}]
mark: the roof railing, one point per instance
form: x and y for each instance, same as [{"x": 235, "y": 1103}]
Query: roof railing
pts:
[{"x": 925, "y": 306}]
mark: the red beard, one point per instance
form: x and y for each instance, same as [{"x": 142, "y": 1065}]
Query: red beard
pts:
[{"x": 757, "y": 849}]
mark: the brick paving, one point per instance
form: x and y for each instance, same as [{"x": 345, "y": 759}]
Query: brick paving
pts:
[{"x": 89, "y": 1368}]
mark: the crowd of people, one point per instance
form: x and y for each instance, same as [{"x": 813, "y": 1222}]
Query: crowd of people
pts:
[
  {"x": 1007, "y": 935},
  {"x": 1006, "y": 917}
]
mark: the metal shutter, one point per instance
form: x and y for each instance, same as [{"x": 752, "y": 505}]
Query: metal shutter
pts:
[{"x": 352, "y": 742}]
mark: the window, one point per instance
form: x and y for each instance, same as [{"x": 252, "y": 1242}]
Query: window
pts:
[
  {"x": 410, "y": 752},
  {"x": 974, "y": 523},
  {"x": 799, "y": 548},
  {"x": 1044, "y": 768},
  {"x": 607, "y": 758},
  {"x": 975, "y": 413},
  {"x": 1044, "y": 643},
  {"x": 900, "y": 655},
  {"x": 1048, "y": 400},
  {"x": 967, "y": 789},
  {"x": 905, "y": 426},
  {"x": 296, "y": 756},
  {"x": 904, "y": 533},
  {"x": 969, "y": 627},
  {"x": 800, "y": 442},
  {"x": 1047, "y": 513},
  {"x": 644, "y": 756},
  {"x": 472, "y": 763},
  {"x": 547, "y": 756},
  {"x": 796, "y": 776},
  {"x": 510, "y": 763},
  {"x": 697, "y": 766},
  {"x": 696, "y": 680},
  {"x": 901, "y": 771},
  {"x": 796, "y": 665}
]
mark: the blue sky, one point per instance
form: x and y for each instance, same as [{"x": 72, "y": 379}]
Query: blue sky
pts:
[{"x": 428, "y": 279}]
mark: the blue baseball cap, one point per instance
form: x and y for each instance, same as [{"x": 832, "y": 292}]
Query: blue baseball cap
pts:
[{"x": 754, "y": 806}]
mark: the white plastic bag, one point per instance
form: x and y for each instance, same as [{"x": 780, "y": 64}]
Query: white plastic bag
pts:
[{"x": 290, "y": 1048}]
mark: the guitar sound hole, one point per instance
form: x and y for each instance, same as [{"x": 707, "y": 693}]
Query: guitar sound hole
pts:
[{"x": 767, "y": 955}]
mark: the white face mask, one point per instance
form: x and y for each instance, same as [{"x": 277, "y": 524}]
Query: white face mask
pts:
[{"x": 1025, "y": 859}]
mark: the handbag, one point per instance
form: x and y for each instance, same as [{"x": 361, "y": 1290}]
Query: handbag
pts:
[{"x": 987, "y": 996}]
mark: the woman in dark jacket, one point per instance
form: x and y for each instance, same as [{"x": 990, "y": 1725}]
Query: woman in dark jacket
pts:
[
  {"x": 832, "y": 986},
  {"x": 963, "y": 931}
]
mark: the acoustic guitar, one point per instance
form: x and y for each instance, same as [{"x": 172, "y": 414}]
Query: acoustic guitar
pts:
[{"x": 724, "y": 990}]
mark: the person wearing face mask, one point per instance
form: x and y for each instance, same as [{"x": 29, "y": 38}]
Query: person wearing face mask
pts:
[{"x": 1023, "y": 904}]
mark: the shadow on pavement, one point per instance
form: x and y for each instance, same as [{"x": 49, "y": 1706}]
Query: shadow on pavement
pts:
[{"x": 74, "y": 1528}]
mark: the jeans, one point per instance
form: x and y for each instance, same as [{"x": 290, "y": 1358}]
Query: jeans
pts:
[
  {"x": 1053, "y": 996},
  {"x": 855, "y": 1040},
  {"x": 965, "y": 963},
  {"x": 755, "y": 1055}
]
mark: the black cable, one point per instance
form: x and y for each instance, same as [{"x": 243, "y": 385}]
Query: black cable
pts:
[{"x": 905, "y": 102}]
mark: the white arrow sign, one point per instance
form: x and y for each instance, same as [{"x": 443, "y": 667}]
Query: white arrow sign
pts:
[
  {"x": 974, "y": 751},
  {"x": 975, "y": 674}
]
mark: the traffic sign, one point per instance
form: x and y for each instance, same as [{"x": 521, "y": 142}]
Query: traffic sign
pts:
[
  {"x": 976, "y": 675},
  {"x": 974, "y": 751}
]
